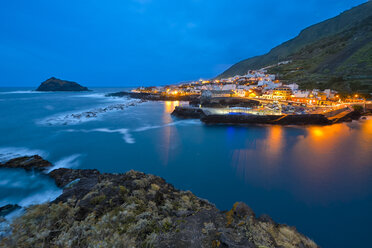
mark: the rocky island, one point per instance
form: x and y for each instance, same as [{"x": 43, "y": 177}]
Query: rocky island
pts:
[
  {"x": 137, "y": 210},
  {"x": 55, "y": 84}
]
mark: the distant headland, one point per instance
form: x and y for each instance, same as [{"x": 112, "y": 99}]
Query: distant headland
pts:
[{"x": 55, "y": 84}]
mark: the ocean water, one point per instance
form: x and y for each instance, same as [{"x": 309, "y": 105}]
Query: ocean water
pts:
[{"x": 316, "y": 178}]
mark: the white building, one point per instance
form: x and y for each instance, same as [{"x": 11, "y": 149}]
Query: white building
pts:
[
  {"x": 293, "y": 86},
  {"x": 300, "y": 93},
  {"x": 229, "y": 87}
]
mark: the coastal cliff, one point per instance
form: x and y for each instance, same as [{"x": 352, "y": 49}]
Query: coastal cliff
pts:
[
  {"x": 55, "y": 84},
  {"x": 137, "y": 210}
]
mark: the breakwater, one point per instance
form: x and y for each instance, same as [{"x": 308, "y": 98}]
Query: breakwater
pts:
[
  {"x": 304, "y": 119},
  {"x": 309, "y": 119}
]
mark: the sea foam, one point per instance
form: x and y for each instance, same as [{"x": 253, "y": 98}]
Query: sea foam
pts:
[
  {"x": 71, "y": 161},
  {"x": 127, "y": 137},
  {"x": 74, "y": 118},
  {"x": 22, "y": 92},
  {"x": 175, "y": 123}
]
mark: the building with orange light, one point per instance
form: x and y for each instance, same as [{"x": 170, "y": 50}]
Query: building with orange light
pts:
[{"x": 282, "y": 93}]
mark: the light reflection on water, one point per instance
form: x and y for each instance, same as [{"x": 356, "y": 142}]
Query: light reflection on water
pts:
[
  {"x": 169, "y": 133},
  {"x": 316, "y": 164},
  {"x": 169, "y": 106}
]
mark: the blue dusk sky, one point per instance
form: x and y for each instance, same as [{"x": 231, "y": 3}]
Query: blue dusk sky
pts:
[{"x": 144, "y": 42}]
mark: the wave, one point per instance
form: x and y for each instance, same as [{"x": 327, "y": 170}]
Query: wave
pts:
[
  {"x": 26, "y": 188},
  {"x": 103, "y": 97},
  {"x": 5, "y": 224},
  {"x": 126, "y": 133},
  {"x": 40, "y": 197},
  {"x": 181, "y": 123},
  {"x": 7, "y": 153},
  {"x": 85, "y": 116},
  {"x": 22, "y": 92},
  {"x": 71, "y": 161},
  {"x": 127, "y": 137}
]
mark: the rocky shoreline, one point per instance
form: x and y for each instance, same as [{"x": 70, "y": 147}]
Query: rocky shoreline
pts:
[
  {"x": 76, "y": 118},
  {"x": 154, "y": 97},
  {"x": 137, "y": 210}
]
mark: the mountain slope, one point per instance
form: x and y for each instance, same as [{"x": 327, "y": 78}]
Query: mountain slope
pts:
[{"x": 336, "y": 48}]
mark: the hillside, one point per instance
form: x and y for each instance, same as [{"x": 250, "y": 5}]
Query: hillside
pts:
[{"x": 336, "y": 52}]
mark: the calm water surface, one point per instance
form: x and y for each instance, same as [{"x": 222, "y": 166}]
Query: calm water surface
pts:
[{"x": 318, "y": 179}]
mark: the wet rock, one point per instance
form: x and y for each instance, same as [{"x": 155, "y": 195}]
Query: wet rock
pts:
[
  {"x": 65, "y": 176},
  {"x": 7, "y": 209},
  {"x": 188, "y": 112},
  {"x": 27, "y": 163}
]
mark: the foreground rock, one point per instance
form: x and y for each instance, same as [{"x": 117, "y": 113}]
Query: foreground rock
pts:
[
  {"x": 141, "y": 210},
  {"x": 27, "y": 163},
  {"x": 55, "y": 84}
]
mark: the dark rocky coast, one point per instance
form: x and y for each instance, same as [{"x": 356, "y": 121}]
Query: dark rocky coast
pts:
[
  {"x": 55, "y": 84},
  {"x": 137, "y": 210},
  {"x": 154, "y": 97}
]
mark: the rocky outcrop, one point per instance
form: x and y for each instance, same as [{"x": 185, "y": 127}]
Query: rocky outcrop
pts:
[
  {"x": 64, "y": 176},
  {"x": 27, "y": 163},
  {"x": 141, "y": 210},
  {"x": 188, "y": 112},
  {"x": 55, "y": 84}
]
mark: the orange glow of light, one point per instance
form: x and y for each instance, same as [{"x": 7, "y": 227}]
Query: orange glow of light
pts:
[
  {"x": 317, "y": 132},
  {"x": 356, "y": 96},
  {"x": 275, "y": 143},
  {"x": 170, "y": 105}
]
